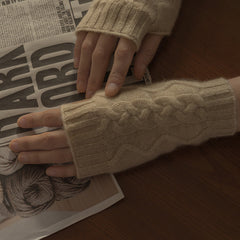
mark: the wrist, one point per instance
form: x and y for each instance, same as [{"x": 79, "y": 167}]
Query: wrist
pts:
[{"x": 128, "y": 19}]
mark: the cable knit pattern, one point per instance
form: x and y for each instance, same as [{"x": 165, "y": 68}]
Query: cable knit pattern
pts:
[
  {"x": 131, "y": 19},
  {"x": 111, "y": 135}
]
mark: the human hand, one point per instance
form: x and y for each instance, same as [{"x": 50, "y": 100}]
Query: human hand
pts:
[
  {"x": 46, "y": 148},
  {"x": 93, "y": 52}
]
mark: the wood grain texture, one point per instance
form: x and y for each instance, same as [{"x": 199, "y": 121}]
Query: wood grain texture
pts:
[{"x": 194, "y": 192}]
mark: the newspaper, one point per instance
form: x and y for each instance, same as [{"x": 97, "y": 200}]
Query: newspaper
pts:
[
  {"x": 101, "y": 194},
  {"x": 37, "y": 73},
  {"x": 23, "y": 21},
  {"x": 37, "y": 41},
  {"x": 35, "y": 76}
]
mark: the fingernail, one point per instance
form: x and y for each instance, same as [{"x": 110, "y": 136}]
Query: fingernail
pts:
[
  {"x": 14, "y": 146},
  {"x": 112, "y": 89},
  {"x": 22, "y": 122}
]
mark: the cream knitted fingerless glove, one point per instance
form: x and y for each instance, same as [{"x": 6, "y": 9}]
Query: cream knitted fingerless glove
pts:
[
  {"x": 108, "y": 135},
  {"x": 131, "y": 19}
]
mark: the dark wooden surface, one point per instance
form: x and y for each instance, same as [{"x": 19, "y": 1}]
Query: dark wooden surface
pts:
[{"x": 194, "y": 192}]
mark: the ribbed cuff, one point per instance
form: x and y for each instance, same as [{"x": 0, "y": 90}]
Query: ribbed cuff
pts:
[
  {"x": 120, "y": 18},
  {"x": 82, "y": 123},
  {"x": 220, "y": 107}
]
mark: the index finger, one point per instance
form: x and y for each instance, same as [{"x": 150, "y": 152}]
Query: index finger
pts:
[
  {"x": 47, "y": 118},
  {"x": 122, "y": 60}
]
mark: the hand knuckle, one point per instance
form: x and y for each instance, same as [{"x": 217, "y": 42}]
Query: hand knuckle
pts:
[
  {"x": 99, "y": 54},
  {"x": 25, "y": 144},
  {"x": 117, "y": 77},
  {"x": 87, "y": 46},
  {"x": 47, "y": 118},
  {"x": 77, "y": 46},
  {"x": 47, "y": 139},
  {"x": 122, "y": 53}
]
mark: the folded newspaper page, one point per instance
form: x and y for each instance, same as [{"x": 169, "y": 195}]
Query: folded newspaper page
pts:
[
  {"x": 36, "y": 73},
  {"x": 70, "y": 202}
]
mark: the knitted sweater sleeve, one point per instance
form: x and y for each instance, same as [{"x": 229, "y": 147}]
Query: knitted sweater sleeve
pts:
[
  {"x": 110, "y": 135},
  {"x": 131, "y": 19}
]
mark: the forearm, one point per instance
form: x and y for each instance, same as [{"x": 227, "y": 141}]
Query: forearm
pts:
[{"x": 111, "y": 135}]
